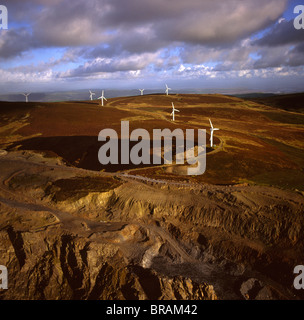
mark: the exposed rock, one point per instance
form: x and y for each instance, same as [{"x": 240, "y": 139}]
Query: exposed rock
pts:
[
  {"x": 129, "y": 239},
  {"x": 3, "y": 153},
  {"x": 46, "y": 265},
  {"x": 255, "y": 289}
]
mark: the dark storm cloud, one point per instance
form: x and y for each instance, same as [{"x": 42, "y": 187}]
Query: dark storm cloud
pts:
[
  {"x": 196, "y": 21},
  {"x": 282, "y": 45},
  {"x": 143, "y": 25},
  {"x": 280, "y": 34},
  {"x": 14, "y": 42}
]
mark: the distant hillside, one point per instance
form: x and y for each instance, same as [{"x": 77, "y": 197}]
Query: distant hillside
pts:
[
  {"x": 289, "y": 102},
  {"x": 253, "y": 95},
  {"x": 76, "y": 95},
  {"x": 83, "y": 95}
]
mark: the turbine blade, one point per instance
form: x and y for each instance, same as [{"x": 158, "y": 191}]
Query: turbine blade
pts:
[{"x": 210, "y": 123}]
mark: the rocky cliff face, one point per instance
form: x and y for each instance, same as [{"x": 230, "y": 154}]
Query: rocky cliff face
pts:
[
  {"x": 57, "y": 265},
  {"x": 67, "y": 233}
]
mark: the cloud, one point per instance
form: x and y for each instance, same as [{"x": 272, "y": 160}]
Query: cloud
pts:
[
  {"x": 107, "y": 65},
  {"x": 281, "y": 33},
  {"x": 14, "y": 42},
  {"x": 222, "y": 23},
  {"x": 26, "y": 76},
  {"x": 144, "y": 25},
  {"x": 195, "y": 21},
  {"x": 282, "y": 45},
  {"x": 105, "y": 39}
]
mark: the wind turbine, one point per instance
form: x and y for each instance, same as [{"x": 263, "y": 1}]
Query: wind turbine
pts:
[
  {"x": 91, "y": 95},
  {"x": 211, "y": 131},
  {"x": 102, "y": 98},
  {"x": 173, "y": 112},
  {"x": 167, "y": 89},
  {"x": 141, "y": 91},
  {"x": 26, "y": 96}
]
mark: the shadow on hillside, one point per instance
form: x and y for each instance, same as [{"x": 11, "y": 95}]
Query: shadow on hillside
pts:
[{"x": 82, "y": 151}]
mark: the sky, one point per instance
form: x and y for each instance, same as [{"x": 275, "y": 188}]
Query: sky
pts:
[{"x": 125, "y": 44}]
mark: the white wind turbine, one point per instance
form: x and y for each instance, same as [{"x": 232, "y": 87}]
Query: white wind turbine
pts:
[
  {"x": 91, "y": 95},
  {"x": 167, "y": 90},
  {"x": 173, "y": 112},
  {"x": 211, "y": 131},
  {"x": 26, "y": 96},
  {"x": 102, "y": 98},
  {"x": 141, "y": 91}
]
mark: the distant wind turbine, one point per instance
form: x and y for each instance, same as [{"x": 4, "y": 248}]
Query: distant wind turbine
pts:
[
  {"x": 211, "y": 131},
  {"x": 167, "y": 90},
  {"x": 102, "y": 98},
  {"x": 141, "y": 91},
  {"x": 26, "y": 96},
  {"x": 173, "y": 112},
  {"x": 91, "y": 95}
]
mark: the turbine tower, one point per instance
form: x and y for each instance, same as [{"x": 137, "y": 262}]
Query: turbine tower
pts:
[
  {"x": 211, "y": 131},
  {"x": 141, "y": 91},
  {"x": 173, "y": 112},
  {"x": 91, "y": 94},
  {"x": 26, "y": 96},
  {"x": 102, "y": 98},
  {"x": 167, "y": 90}
]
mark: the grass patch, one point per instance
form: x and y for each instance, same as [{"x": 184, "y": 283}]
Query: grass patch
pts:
[
  {"x": 281, "y": 117},
  {"x": 286, "y": 179},
  {"x": 293, "y": 153}
]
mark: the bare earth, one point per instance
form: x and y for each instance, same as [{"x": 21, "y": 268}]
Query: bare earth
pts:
[{"x": 73, "y": 229}]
